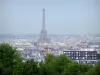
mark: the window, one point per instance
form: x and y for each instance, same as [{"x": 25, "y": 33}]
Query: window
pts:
[
  {"x": 76, "y": 52},
  {"x": 92, "y": 58},
  {"x": 71, "y": 52},
  {"x": 80, "y": 58},
  {"x": 86, "y": 55},
  {"x": 95, "y": 53},
  {"x": 83, "y": 58},
  {"x": 76, "y": 57},
  {"x": 95, "y": 57},
  {"x": 79, "y": 52}
]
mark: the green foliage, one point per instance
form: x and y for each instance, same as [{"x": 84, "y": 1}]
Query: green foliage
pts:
[
  {"x": 8, "y": 57},
  {"x": 84, "y": 67},
  {"x": 49, "y": 58},
  {"x": 75, "y": 68},
  {"x": 44, "y": 69},
  {"x": 72, "y": 69},
  {"x": 57, "y": 64},
  {"x": 95, "y": 70},
  {"x": 2, "y": 71},
  {"x": 29, "y": 67}
]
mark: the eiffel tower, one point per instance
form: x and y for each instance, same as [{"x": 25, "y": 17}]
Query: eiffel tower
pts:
[{"x": 43, "y": 36}]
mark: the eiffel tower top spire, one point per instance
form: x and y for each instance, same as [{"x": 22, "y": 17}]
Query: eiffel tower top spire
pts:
[{"x": 43, "y": 26}]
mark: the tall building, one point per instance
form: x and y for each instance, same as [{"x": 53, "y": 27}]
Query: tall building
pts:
[{"x": 43, "y": 36}]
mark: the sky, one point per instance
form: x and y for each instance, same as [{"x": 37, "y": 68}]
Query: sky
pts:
[{"x": 20, "y": 17}]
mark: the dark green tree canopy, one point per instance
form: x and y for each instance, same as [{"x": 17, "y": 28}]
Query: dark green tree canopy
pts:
[{"x": 9, "y": 57}]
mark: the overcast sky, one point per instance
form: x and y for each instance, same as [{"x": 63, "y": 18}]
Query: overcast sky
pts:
[{"x": 62, "y": 16}]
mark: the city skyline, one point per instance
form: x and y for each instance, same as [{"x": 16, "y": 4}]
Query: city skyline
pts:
[{"x": 62, "y": 17}]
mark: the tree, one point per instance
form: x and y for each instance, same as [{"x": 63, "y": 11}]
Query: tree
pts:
[
  {"x": 9, "y": 57},
  {"x": 60, "y": 63},
  {"x": 84, "y": 68},
  {"x": 44, "y": 69},
  {"x": 48, "y": 58},
  {"x": 95, "y": 70},
  {"x": 74, "y": 68},
  {"x": 57, "y": 64},
  {"x": 29, "y": 67},
  {"x": 2, "y": 71}
]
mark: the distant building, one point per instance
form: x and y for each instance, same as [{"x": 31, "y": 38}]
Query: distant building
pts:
[{"x": 82, "y": 56}]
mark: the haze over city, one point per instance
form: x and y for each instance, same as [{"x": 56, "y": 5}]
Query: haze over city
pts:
[
  {"x": 49, "y": 37},
  {"x": 62, "y": 17}
]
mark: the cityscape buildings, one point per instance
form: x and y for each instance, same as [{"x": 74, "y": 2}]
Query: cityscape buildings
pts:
[
  {"x": 78, "y": 48},
  {"x": 83, "y": 56}
]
